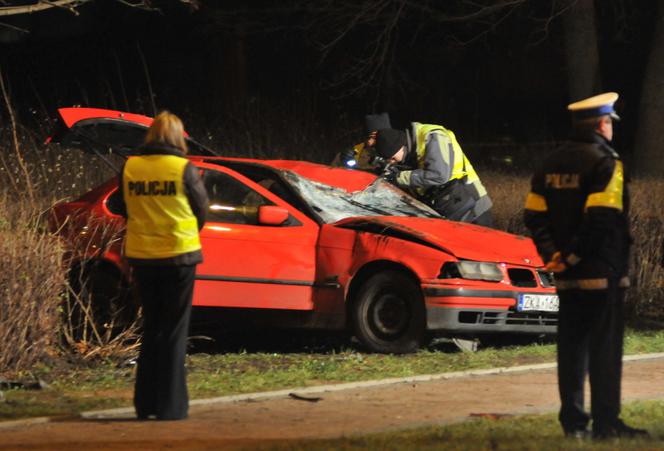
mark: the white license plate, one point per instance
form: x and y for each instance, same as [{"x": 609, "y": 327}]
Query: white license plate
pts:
[{"x": 537, "y": 302}]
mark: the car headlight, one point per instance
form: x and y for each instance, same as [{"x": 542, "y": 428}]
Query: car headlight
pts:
[{"x": 467, "y": 269}]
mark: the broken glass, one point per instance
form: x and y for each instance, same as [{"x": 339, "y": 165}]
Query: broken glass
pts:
[{"x": 380, "y": 198}]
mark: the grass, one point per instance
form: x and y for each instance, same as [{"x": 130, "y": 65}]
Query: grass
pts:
[
  {"x": 75, "y": 388},
  {"x": 529, "y": 432}
]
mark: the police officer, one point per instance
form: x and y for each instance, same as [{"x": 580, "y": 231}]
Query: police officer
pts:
[
  {"x": 361, "y": 156},
  {"x": 436, "y": 171},
  {"x": 577, "y": 212},
  {"x": 165, "y": 204}
]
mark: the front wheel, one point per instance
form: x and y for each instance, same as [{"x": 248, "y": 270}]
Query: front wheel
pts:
[{"x": 388, "y": 314}]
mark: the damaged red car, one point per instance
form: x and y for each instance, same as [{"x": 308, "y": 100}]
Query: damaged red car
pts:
[{"x": 308, "y": 245}]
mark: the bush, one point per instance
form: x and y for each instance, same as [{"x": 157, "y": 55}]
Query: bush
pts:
[
  {"x": 31, "y": 284},
  {"x": 646, "y": 298}
]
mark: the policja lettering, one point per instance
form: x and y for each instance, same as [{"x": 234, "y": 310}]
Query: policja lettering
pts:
[
  {"x": 152, "y": 188},
  {"x": 562, "y": 181}
]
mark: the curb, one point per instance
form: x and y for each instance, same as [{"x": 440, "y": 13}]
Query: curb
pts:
[
  {"x": 22, "y": 423},
  {"x": 123, "y": 412}
]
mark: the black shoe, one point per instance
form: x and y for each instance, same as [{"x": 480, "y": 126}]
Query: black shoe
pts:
[{"x": 618, "y": 429}]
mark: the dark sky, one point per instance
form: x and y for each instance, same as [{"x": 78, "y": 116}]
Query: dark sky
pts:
[{"x": 501, "y": 78}]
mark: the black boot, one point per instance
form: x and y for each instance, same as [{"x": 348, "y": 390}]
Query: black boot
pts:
[{"x": 617, "y": 429}]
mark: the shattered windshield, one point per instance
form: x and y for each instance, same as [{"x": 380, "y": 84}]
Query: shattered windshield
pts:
[{"x": 380, "y": 198}]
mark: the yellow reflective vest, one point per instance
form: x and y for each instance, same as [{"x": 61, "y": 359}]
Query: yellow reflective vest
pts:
[
  {"x": 461, "y": 167},
  {"x": 160, "y": 221}
]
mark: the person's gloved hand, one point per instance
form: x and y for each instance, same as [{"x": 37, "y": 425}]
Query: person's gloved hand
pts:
[
  {"x": 556, "y": 264},
  {"x": 390, "y": 175}
]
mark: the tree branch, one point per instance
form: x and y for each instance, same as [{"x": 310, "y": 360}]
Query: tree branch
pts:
[{"x": 42, "y": 5}]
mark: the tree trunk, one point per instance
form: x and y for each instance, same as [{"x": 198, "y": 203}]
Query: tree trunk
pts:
[
  {"x": 582, "y": 55},
  {"x": 228, "y": 70},
  {"x": 650, "y": 134}
]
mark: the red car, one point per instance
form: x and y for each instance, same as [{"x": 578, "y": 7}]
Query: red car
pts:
[{"x": 322, "y": 247}]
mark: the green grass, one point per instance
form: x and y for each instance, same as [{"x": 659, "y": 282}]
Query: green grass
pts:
[
  {"x": 530, "y": 432},
  {"x": 73, "y": 388}
]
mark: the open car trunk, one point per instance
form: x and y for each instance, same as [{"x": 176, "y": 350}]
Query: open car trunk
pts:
[{"x": 104, "y": 132}]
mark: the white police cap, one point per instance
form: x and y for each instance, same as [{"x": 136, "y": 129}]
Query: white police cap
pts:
[{"x": 595, "y": 106}]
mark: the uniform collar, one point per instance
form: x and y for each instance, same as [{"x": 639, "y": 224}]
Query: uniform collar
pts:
[
  {"x": 596, "y": 138},
  {"x": 591, "y": 137},
  {"x": 160, "y": 149}
]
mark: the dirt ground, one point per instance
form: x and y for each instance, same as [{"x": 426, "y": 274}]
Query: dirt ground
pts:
[{"x": 340, "y": 413}]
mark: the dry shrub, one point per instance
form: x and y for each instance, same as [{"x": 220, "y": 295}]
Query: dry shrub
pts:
[
  {"x": 508, "y": 193},
  {"x": 100, "y": 316},
  {"x": 36, "y": 294},
  {"x": 646, "y": 298},
  {"x": 31, "y": 283}
]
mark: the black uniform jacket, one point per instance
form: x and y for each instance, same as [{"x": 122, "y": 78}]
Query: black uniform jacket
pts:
[{"x": 579, "y": 206}]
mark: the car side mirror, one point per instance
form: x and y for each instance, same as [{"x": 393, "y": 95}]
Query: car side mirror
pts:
[{"x": 272, "y": 215}]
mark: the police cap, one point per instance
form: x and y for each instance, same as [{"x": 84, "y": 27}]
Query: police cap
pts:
[{"x": 596, "y": 106}]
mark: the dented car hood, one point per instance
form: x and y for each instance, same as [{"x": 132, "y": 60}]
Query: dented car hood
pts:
[{"x": 464, "y": 241}]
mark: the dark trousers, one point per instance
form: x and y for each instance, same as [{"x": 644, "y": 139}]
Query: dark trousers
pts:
[
  {"x": 590, "y": 341},
  {"x": 161, "y": 380}
]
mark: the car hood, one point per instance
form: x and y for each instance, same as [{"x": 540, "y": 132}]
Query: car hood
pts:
[{"x": 464, "y": 241}]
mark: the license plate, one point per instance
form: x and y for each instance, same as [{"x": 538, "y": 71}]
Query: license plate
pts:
[{"x": 537, "y": 302}]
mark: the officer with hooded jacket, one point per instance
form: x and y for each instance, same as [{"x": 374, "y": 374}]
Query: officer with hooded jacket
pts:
[
  {"x": 578, "y": 214},
  {"x": 428, "y": 161}
]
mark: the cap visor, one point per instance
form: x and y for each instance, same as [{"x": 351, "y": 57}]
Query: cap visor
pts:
[{"x": 614, "y": 116}]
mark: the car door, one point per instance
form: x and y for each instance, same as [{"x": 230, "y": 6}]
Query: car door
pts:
[{"x": 248, "y": 264}]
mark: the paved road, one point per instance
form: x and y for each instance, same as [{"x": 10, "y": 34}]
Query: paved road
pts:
[{"x": 339, "y": 413}]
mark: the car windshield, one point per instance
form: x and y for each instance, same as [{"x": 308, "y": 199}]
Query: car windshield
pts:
[{"x": 380, "y": 198}]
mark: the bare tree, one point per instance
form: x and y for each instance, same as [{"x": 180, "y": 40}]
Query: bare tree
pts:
[
  {"x": 41, "y": 5},
  {"x": 650, "y": 134},
  {"x": 581, "y": 50}
]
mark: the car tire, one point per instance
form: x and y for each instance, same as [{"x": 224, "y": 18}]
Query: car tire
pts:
[
  {"x": 101, "y": 300},
  {"x": 388, "y": 314}
]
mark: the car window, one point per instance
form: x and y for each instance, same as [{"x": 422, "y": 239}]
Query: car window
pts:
[
  {"x": 232, "y": 201},
  {"x": 122, "y": 136},
  {"x": 269, "y": 179}
]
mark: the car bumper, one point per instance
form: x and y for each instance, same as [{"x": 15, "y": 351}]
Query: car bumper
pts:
[
  {"x": 466, "y": 321},
  {"x": 463, "y": 311}
]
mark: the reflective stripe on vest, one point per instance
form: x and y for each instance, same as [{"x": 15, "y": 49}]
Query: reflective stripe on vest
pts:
[
  {"x": 612, "y": 196},
  {"x": 160, "y": 222},
  {"x": 536, "y": 202},
  {"x": 462, "y": 167}
]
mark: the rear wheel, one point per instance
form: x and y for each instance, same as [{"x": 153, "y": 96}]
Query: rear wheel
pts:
[{"x": 388, "y": 314}]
